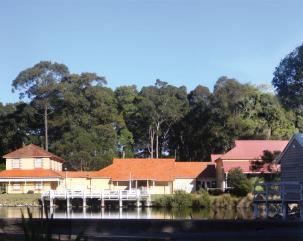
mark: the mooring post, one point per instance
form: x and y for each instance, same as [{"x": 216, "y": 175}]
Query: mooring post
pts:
[
  {"x": 84, "y": 199},
  {"x": 256, "y": 210},
  {"x": 42, "y": 201},
  {"x": 102, "y": 199},
  {"x": 67, "y": 202},
  {"x": 138, "y": 201},
  {"x": 301, "y": 210},
  {"x": 301, "y": 202},
  {"x": 266, "y": 196},
  {"x": 148, "y": 201},
  {"x": 51, "y": 198},
  {"x": 120, "y": 199},
  {"x": 284, "y": 210}
]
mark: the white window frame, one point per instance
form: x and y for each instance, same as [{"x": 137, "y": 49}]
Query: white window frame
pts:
[
  {"x": 16, "y": 163},
  {"x": 16, "y": 186},
  {"x": 37, "y": 160},
  {"x": 39, "y": 186}
]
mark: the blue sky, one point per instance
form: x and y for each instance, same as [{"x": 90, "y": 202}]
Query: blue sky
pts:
[{"x": 183, "y": 42}]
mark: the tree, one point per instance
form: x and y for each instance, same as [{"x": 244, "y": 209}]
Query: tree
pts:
[
  {"x": 239, "y": 183},
  {"x": 158, "y": 108},
  {"x": 267, "y": 166},
  {"x": 85, "y": 125},
  {"x": 125, "y": 96},
  {"x": 288, "y": 79},
  {"x": 200, "y": 93},
  {"x": 40, "y": 84}
]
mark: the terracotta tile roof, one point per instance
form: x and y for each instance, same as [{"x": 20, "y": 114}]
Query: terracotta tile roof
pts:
[
  {"x": 246, "y": 167},
  {"x": 195, "y": 170},
  {"x": 35, "y": 173},
  {"x": 32, "y": 151},
  {"x": 214, "y": 157},
  {"x": 76, "y": 174},
  {"x": 153, "y": 169},
  {"x": 251, "y": 149}
]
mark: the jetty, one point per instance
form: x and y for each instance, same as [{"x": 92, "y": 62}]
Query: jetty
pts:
[
  {"x": 278, "y": 196},
  {"x": 120, "y": 196}
]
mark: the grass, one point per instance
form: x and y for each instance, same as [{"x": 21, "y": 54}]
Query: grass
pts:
[{"x": 19, "y": 199}]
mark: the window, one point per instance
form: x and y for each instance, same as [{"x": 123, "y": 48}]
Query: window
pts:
[
  {"x": 39, "y": 186},
  {"x": 38, "y": 163},
  {"x": 16, "y": 186},
  {"x": 16, "y": 163}
]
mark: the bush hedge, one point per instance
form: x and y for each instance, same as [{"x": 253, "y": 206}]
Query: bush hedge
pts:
[
  {"x": 202, "y": 199},
  {"x": 181, "y": 199}
]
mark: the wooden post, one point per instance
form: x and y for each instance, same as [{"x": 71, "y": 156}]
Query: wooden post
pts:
[
  {"x": 301, "y": 202},
  {"x": 266, "y": 196},
  {"x": 301, "y": 210},
  {"x": 138, "y": 201},
  {"x": 102, "y": 199},
  {"x": 67, "y": 202},
  {"x": 284, "y": 210},
  {"x": 256, "y": 210},
  {"x": 120, "y": 199}
]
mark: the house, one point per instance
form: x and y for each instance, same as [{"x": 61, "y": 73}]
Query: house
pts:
[
  {"x": 32, "y": 169},
  {"x": 291, "y": 160},
  {"x": 159, "y": 176},
  {"x": 241, "y": 156}
]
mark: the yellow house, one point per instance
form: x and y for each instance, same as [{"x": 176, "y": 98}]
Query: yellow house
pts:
[
  {"x": 31, "y": 169},
  {"x": 158, "y": 176}
]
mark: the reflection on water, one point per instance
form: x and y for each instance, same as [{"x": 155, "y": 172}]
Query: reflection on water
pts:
[{"x": 134, "y": 213}]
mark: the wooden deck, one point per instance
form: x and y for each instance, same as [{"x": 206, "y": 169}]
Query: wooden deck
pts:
[
  {"x": 279, "y": 194},
  {"x": 104, "y": 195}
]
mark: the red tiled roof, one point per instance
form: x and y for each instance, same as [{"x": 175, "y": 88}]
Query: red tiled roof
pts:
[
  {"x": 251, "y": 149},
  {"x": 32, "y": 151},
  {"x": 194, "y": 170},
  {"x": 214, "y": 157},
  {"x": 35, "y": 173},
  {"x": 245, "y": 166},
  {"x": 153, "y": 169},
  {"x": 75, "y": 174}
]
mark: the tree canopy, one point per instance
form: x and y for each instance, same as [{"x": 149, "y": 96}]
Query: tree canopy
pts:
[{"x": 88, "y": 124}]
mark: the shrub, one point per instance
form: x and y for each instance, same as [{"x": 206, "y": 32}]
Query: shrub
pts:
[
  {"x": 215, "y": 191},
  {"x": 202, "y": 199},
  {"x": 181, "y": 199},
  {"x": 240, "y": 184},
  {"x": 30, "y": 192},
  {"x": 225, "y": 201},
  {"x": 163, "y": 201}
]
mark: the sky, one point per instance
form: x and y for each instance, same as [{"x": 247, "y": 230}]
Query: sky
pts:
[{"x": 182, "y": 42}]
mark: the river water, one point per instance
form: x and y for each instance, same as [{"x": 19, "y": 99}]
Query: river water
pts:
[{"x": 132, "y": 213}]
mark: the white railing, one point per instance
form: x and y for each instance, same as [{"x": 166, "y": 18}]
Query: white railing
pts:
[{"x": 106, "y": 194}]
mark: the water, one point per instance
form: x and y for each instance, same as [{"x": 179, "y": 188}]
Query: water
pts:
[{"x": 132, "y": 213}]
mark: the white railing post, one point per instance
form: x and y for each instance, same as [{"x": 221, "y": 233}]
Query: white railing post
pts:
[{"x": 120, "y": 198}]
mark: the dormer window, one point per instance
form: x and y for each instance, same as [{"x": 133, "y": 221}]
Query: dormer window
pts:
[
  {"x": 38, "y": 163},
  {"x": 16, "y": 164}
]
